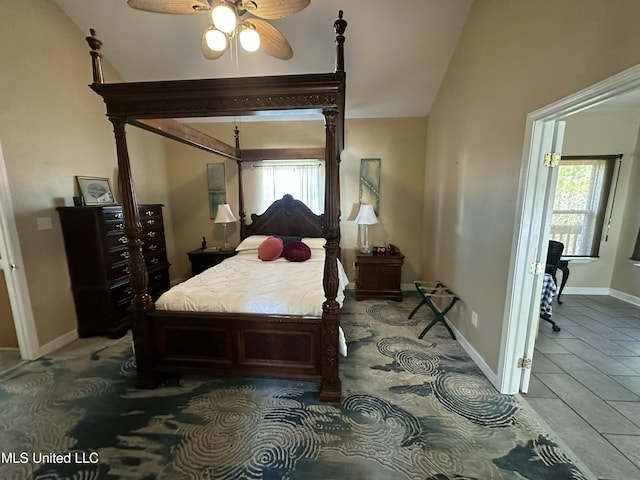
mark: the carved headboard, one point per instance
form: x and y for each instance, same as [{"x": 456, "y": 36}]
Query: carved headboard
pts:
[{"x": 285, "y": 217}]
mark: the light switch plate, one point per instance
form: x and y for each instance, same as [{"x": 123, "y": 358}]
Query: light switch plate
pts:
[{"x": 44, "y": 223}]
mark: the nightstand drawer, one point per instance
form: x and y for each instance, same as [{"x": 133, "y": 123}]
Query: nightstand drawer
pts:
[{"x": 378, "y": 276}]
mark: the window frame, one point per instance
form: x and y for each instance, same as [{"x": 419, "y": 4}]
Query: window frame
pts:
[{"x": 606, "y": 200}]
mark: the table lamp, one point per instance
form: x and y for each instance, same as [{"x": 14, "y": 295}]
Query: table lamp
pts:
[
  {"x": 225, "y": 217},
  {"x": 366, "y": 216}
]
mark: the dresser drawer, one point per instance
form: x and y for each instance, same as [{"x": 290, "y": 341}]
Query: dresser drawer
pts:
[{"x": 149, "y": 213}]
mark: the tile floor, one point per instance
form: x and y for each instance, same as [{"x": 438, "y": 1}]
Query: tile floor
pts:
[{"x": 585, "y": 382}]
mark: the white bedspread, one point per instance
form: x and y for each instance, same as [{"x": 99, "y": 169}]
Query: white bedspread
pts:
[{"x": 246, "y": 284}]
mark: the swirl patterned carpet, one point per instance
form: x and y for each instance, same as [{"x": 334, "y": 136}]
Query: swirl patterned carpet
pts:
[{"x": 412, "y": 409}]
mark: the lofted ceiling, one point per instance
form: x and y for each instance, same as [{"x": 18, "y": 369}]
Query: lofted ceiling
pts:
[{"x": 396, "y": 53}]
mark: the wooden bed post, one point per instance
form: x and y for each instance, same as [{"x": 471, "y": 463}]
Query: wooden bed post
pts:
[
  {"x": 241, "y": 212},
  {"x": 138, "y": 276},
  {"x": 330, "y": 386},
  {"x": 340, "y": 25}
]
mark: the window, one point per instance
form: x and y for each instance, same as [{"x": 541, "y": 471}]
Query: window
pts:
[
  {"x": 580, "y": 204},
  {"x": 303, "y": 179}
]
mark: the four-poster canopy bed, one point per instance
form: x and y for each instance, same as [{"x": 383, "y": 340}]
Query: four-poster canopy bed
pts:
[{"x": 235, "y": 344}]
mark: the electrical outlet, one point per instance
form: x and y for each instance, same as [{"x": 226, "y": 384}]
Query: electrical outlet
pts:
[{"x": 474, "y": 319}]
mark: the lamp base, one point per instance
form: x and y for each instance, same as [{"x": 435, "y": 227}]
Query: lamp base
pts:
[{"x": 365, "y": 249}]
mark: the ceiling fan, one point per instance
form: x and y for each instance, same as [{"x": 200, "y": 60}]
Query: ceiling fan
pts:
[{"x": 245, "y": 18}]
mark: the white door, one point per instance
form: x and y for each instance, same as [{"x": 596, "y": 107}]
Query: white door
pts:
[
  {"x": 530, "y": 247},
  {"x": 549, "y": 166},
  {"x": 11, "y": 265}
]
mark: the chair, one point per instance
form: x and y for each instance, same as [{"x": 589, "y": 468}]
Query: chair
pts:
[{"x": 554, "y": 255}]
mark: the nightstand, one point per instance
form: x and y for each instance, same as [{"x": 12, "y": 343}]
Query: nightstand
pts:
[
  {"x": 378, "y": 276},
  {"x": 202, "y": 259}
]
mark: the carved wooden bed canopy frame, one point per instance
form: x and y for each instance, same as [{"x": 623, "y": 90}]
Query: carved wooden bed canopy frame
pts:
[{"x": 154, "y": 106}]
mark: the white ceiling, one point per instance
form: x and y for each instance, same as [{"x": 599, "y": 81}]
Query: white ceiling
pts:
[{"x": 396, "y": 51}]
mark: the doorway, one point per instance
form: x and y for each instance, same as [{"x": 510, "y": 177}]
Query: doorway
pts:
[{"x": 543, "y": 135}]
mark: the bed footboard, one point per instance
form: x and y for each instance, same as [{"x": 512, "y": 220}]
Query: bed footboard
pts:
[{"x": 243, "y": 345}]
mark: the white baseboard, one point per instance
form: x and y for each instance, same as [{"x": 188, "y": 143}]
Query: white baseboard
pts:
[
  {"x": 57, "y": 343},
  {"x": 625, "y": 297},
  {"x": 586, "y": 291},
  {"x": 475, "y": 356}
]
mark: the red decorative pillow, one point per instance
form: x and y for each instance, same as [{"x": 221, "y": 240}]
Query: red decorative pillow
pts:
[
  {"x": 270, "y": 249},
  {"x": 296, "y": 251}
]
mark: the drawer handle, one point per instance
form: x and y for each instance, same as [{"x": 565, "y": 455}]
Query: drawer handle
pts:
[
  {"x": 120, "y": 226},
  {"x": 153, "y": 248},
  {"x": 119, "y": 215},
  {"x": 154, "y": 260},
  {"x": 129, "y": 291},
  {"x": 151, "y": 234},
  {"x": 149, "y": 213},
  {"x": 124, "y": 254},
  {"x": 126, "y": 270},
  {"x": 123, "y": 240},
  {"x": 158, "y": 277},
  {"x": 150, "y": 222}
]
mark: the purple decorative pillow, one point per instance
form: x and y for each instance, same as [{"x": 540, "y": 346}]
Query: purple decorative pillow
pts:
[
  {"x": 270, "y": 249},
  {"x": 296, "y": 251}
]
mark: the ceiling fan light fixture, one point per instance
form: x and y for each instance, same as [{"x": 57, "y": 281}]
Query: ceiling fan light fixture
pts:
[
  {"x": 216, "y": 40},
  {"x": 224, "y": 18},
  {"x": 249, "y": 38}
]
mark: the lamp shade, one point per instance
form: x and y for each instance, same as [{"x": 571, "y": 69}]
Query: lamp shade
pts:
[
  {"x": 249, "y": 39},
  {"x": 224, "y": 18},
  {"x": 224, "y": 214},
  {"x": 366, "y": 215},
  {"x": 216, "y": 40}
]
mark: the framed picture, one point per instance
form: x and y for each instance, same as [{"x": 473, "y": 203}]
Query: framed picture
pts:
[
  {"x": 370, "y": 183},
  {"x": 217, "y": 187},
  {"x": 96, "y": 190}
]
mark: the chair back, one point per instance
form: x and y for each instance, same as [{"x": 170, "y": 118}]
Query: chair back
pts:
[{"x": 554, "y": 254}]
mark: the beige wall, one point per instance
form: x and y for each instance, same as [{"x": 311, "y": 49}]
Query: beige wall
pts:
[
  {"x": 399, "y": 143},
  {"x": 53, "y": 127},
  {"x": 603, "y": 133},
  {"x": 626, "y": 275},
  {"x": 512, "y": 59}
]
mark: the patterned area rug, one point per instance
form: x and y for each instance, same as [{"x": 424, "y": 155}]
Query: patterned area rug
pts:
[{"x": 411, "y": 409}]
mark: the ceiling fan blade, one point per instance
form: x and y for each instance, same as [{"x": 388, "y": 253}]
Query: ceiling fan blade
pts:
[
  {"x": 272, "y": 9},
  {"x": 182, "y": 7},
  {"x": 272, "y": 42},
  {"x": 206, "y": 51}
]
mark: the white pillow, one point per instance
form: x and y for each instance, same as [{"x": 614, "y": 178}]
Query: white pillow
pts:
[
  {"x": 251, "y": 243},
  {"x": 313, "y": 242}
]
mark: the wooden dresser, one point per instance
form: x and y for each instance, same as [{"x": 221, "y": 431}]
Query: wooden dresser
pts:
[
  {"x": 378, "y": 276},
  {"x": 98, "y": 261}
]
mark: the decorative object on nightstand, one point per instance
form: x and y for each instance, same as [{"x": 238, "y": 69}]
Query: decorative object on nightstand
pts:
[
  {"x": 225, "y": 217},
  {"x": 203, "y": 258},
  {"x": 378, "y": 276},
  {"x": 366, "y": 216}
]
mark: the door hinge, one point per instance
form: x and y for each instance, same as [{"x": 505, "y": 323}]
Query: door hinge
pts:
[
  {"x": 551, "y": 159},
  {"x": 524, "y": 363},
  {"x": 537, "y": 268}
]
